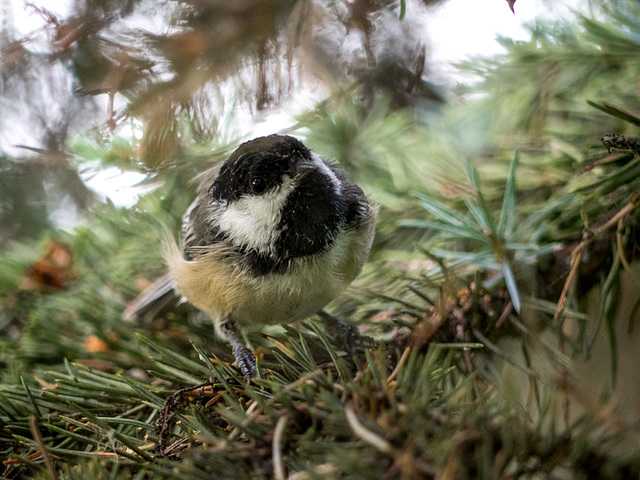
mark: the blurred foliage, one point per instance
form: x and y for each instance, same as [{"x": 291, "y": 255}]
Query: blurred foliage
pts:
[
  {"x": 501, "y": 214},
  {"x": 21, "y": 216}
]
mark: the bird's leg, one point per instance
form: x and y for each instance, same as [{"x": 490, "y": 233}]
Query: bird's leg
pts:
[
  {"x": 244, "y": 358},
  {"x": 344, "y": 334}
]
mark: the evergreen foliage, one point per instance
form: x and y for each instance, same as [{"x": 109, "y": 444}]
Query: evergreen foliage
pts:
[{"x": 507, "y": 231}]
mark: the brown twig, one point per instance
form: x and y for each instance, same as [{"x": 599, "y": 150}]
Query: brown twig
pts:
[
  {"x": 401, "y": 362},
  {"x": 37, "y": 436},
  {"x": 588, "y": 237},
  {"x": 171, "y": 406}
]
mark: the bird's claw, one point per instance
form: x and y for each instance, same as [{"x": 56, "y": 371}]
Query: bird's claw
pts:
[{"x": 246, "y": 361}]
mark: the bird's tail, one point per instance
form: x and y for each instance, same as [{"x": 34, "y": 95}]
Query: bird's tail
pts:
[{"x": 152, "y": 299}]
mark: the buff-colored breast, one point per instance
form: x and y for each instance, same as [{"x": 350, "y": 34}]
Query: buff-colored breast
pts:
[{"x": 220, "y": 288}]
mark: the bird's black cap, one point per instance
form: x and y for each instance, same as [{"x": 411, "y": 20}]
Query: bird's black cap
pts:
[{"x": 264, "y": 158}]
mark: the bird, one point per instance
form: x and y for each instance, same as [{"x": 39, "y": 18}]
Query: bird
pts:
[{"x": 274, "y": 234}]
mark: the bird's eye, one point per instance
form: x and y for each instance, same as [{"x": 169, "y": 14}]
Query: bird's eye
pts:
[{"x": 258, "y": 185}]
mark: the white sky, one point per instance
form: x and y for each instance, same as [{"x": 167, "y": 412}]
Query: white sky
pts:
[{"x": 464, "y": 28}]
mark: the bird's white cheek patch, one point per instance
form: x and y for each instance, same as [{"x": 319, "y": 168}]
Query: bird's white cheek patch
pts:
[{"x": 252, "y": 221}]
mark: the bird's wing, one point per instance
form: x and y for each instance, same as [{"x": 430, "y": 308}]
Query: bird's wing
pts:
[
  {"x": 358, "y": 208},
  {"x": 157, "y": 295},
  {"x": 197, "y": 228}
]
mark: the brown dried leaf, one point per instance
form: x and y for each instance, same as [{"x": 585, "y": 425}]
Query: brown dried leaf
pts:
[
  {"x": 93, "y": 344},
  {"x": 53, "y": 270}
]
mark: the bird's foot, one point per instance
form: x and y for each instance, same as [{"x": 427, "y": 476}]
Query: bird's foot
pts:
[
  {"x": 344, "y": 334},
  {"x": 245, "y": 360}
]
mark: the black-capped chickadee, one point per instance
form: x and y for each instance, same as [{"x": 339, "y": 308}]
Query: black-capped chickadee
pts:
[{"x": 274, "y": 234}]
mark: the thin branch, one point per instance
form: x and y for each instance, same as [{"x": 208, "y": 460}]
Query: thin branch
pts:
[
  {"x": 588, "y": 237},
  {"x": 278, "y": 463},
  {"x": 37, "y": 436},
  {"x": 368, "y": 436}
]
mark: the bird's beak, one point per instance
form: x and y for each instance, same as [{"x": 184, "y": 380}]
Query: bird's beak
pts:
[{"x": 304, "y": 168}]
